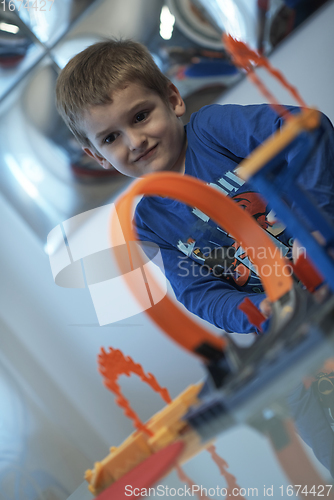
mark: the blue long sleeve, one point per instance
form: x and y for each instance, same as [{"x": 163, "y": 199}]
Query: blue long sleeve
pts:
[{"x": 219, "y": 138}]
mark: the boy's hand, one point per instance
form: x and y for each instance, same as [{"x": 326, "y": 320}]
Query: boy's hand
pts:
[{"x": 265, "y": 308}]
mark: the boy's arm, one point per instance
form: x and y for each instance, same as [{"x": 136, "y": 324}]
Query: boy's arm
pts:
[
  {"x": 311, "y": 423},
  {"x": 240, "y": 129},
  {"x": 205, "y": 295},
  {"x": 317, "y": 175},
  {"x": 209, "y": 297}
]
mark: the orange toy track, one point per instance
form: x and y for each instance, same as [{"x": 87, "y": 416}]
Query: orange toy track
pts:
[
  {"x": 244, "y": 57},
  {"x": 224, "y": 212},
  {"x": 222, "y": 465},
  {"x": 228, "y": 215},
  {"x": 114, "y": 472},
  {"x": 111, "y": 366}
]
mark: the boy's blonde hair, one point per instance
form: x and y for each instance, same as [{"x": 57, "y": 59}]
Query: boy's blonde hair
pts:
[{"x": 91, "y": 76}]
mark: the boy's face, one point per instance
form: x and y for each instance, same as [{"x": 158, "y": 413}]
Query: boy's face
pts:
[{"x": 138, "y": 133}]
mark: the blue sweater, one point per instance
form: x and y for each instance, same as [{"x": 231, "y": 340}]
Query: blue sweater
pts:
[{"x": 219, "y": 137}]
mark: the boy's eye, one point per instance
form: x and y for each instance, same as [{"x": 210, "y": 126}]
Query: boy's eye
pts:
[
  {"x": 141, "y": 116},
  {"x": 110, "y": 138}
]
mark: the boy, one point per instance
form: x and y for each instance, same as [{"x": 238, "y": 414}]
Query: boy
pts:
[{"x": 126, "y": 113}]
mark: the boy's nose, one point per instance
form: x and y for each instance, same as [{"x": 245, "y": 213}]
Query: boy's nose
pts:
[{"x": 136, "y": 140}]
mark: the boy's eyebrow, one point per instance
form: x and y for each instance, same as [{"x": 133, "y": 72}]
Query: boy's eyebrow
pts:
[{"x": 99, "y": 135}]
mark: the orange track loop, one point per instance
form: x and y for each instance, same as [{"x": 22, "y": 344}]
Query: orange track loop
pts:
[{"x": 224, "y": 212}]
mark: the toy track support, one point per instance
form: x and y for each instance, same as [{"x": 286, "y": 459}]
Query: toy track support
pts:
[{"x": 307, "y": 120}]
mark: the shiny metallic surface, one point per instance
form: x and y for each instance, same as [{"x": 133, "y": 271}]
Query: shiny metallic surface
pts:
[
  {"x": 44, "y": 173},
  {"x": 50, "y": 20}
]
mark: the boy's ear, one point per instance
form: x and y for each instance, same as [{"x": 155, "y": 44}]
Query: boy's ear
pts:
[
  {"x": 100, "y": 159},
  {"x": 176, "y": 100}
]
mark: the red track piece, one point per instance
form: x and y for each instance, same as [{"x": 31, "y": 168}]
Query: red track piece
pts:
[
  {"x": 307, "y": 273},
  {"x": 255, "y": 317},
  {"x": 145, "y": 474}
]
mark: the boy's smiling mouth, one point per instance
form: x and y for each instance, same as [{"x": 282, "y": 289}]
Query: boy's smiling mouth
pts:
[{"x": 147, "y": 154}]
